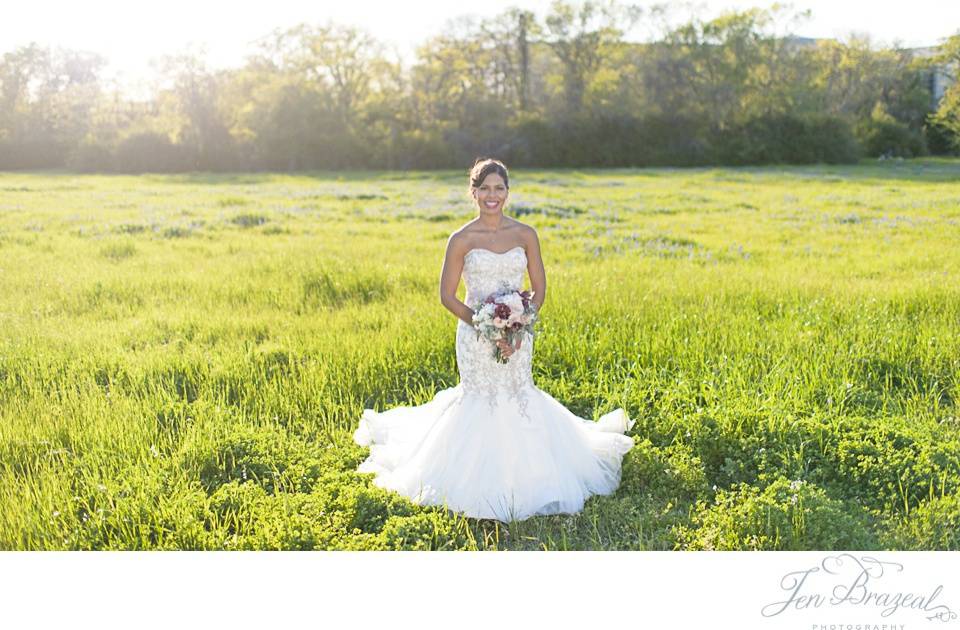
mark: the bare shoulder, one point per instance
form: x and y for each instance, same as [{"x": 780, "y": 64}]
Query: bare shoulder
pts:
[
  {"x": 466, "y": 227},
  {"x": 528, "y": 233},
  {"x": 459, "y": 240}
]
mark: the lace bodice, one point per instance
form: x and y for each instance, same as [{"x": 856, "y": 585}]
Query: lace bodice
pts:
[{"x": 485, "y": 272}]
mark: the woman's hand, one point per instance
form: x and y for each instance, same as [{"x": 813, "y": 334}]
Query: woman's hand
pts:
[{"x": 506, "y": 349}]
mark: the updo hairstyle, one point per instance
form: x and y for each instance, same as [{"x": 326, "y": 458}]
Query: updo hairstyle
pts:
[{"x": 483, "y": 167}]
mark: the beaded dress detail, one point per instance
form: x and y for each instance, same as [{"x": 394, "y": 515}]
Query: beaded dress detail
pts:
[{"x": 494, "y": 446}]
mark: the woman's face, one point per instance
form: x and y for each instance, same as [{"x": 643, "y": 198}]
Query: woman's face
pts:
[{"x": 491, "y": 194}]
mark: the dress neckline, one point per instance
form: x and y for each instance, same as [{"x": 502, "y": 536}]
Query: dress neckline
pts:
[{"x": 484, "y": 249}]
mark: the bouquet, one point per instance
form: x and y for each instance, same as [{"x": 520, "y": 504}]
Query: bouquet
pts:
[{"x": 505, "y": 315}]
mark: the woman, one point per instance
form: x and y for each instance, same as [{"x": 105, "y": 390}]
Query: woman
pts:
[{"x": 495, "y": 446}]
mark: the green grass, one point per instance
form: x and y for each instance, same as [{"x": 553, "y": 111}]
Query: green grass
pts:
[{"x": 183, "y": 358}]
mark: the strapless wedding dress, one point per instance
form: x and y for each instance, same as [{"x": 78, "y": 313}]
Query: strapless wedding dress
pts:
[{"x": 495, "y": 446}]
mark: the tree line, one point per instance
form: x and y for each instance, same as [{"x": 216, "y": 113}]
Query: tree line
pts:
[{"x": 565, "y": 89}]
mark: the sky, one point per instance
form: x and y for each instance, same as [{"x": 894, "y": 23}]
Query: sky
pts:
[{"x": 131, "y": 33}]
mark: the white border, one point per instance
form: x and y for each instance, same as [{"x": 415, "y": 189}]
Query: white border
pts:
[{"x": 695, "y": 590}]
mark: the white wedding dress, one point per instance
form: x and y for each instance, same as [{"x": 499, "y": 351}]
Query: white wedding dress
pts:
[{"x": 495, "y": 446}]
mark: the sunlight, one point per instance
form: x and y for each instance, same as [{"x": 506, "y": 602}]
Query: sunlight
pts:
[{"x": 132, "y": 38}]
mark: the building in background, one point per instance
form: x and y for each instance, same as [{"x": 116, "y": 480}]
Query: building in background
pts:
[{"x": 939, "y": 77}]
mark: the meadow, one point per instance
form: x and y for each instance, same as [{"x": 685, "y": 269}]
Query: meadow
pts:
[{"x": 183, "y": 358}]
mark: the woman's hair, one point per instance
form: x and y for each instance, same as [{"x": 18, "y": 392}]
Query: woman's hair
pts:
[{"x": 483, "y": 167}]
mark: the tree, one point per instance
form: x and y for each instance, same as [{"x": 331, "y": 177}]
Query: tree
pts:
[
  {"x": 46, "y": 98},
  {"x": 194, "y": 95},
  {"x": 727, "y": 69},
  {"x": 582, "y": 37},
  {"x": 947, "y": 115},
  {"x": 508, "y": 38},
  {"x": 340, "y": 59}
]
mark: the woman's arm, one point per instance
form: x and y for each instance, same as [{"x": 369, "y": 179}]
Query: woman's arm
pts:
[
  {"x": 450, "y": 279},
  {"x": 538, "y": 277}
]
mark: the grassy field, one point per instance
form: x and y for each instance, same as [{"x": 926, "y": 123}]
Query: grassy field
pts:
[{"x": 183, "y": 358}]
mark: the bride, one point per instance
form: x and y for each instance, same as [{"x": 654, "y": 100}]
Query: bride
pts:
[{"x": 495, "y": 446}]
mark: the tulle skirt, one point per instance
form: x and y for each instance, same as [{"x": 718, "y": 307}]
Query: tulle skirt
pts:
[{"x": 489, "y": 461}]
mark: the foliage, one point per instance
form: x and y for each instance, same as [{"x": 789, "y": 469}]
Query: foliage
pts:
[
  {"x": 144, "y": 152},
  {"x": 785, "y": 515},
  {"x": 564, "y": 89},
  {"x": 883, "y": 135},
  {"x": 935, "y": 524},
  {"x": 947, "y": 116},
  {"x": 787, "y": 139}
]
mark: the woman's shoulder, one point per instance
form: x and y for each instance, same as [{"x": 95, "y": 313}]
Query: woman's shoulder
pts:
[
  {"x": 460, "y": 239},
  {"x": 461, "y": 236},
  {"x": 523, "y": 227},
  {"x": 466, "y": 227},
  {"x": 527, "y": 233}
]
